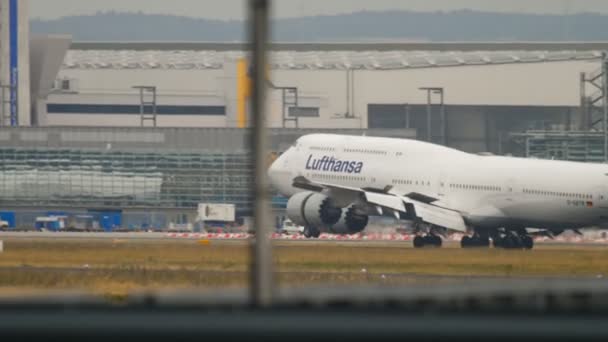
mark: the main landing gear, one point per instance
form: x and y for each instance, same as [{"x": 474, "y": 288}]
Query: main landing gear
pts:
[
  {"x": 427, "y": 240},
  {"x": 506, "y": 240},
  {"x": 427, "y": 235},
  {"x": 477, "y": 240},
  {"x": 311, "y": 232},
  {"x": 512, "y": 240}
]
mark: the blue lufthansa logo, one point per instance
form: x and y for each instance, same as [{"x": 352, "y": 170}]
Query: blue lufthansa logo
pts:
[{"x": 332, "y": 164}]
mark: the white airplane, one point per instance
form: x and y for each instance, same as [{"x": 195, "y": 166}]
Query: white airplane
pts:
[{"x": 336, "y": 182}]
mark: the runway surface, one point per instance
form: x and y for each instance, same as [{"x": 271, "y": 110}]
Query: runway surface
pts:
[
  {"x": 228, "y": 238},
  {"x": 117, "y": 263}
]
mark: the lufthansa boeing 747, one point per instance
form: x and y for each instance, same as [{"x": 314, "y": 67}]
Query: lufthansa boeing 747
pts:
[{"x": 336, "y": 182}]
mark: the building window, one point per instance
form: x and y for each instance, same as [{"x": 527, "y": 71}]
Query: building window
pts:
[
  {"x": 306, "y": 112},
  {"x": 73, "y": 108},
  {"x": 65, "y": 85}
]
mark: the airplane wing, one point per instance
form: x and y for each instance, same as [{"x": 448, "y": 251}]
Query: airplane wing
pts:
[{"x": 389, "y": 202}]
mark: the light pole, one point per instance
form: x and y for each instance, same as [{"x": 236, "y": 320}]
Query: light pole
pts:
[
  {"x": 430, "y": 91},
  {"x": 143, "y": 104}
]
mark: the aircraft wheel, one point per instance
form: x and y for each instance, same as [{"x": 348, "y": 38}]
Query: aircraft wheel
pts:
[
  {"x": 307, "y": 232},
  {"x": 507, "y": 242},
  {"x": 527, "y": 242},
  {"x": 419, "y": 241},
  {"x": 466, "y": 242},
  {"x": 316, "y": 233},
  {"x": 475, "y": 241},
  {"x": 516, "y": 242},
  {"x": 511, "y": 241},
  {"x": 436, "y": 240},
  {"x": 484, "y": 242}
]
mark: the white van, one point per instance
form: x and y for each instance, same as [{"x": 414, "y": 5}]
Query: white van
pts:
[{"x": 291, "y": 228}]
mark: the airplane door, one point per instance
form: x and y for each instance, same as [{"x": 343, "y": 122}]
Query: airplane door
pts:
[
  {"x": 600, "y": 198},
  {"x": 600, "y": 203},
  {"x": 442, "y": 185},
  {"x": 510, "y": 189}
]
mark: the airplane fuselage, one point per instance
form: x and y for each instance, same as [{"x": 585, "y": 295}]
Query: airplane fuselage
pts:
[{"x": 489, "y": 191}]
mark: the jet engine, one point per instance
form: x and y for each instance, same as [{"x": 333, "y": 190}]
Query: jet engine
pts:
[
  {"x": 311, "y": 209},
  {"x": 352, "y": 221}
]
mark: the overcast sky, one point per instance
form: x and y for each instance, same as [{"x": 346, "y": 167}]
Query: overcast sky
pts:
[{"x": 235, "y": 9}]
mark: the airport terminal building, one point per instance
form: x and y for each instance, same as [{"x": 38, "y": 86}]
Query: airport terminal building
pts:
[{"x": 131, "y": 178}]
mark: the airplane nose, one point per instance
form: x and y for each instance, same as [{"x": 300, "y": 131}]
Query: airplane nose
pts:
[
  {"x": 277, "y": 172},
  {"x": 273, "y": 171}
]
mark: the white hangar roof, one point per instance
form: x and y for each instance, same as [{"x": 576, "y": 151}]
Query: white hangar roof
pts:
[{"x": 312, "y": 60}]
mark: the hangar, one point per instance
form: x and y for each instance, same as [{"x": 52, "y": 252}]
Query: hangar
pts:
[{"x": 478, "y": 98}]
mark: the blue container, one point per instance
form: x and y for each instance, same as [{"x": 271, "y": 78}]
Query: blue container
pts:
[
  {"x": 8, "y": 216},
  {"x": 108, "y": 220},
  {"x": 54, "y": 226}
]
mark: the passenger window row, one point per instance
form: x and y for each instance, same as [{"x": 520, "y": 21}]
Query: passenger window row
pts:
[
  {"x": 410, "y": 182},
  {"x": 326, "y": 149},
  {"x": 377, "y": 152},
  {"x": 326, "y": 177},
  {"x": 475, "y": 187},
  {"x": 557, "y": 194}
]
